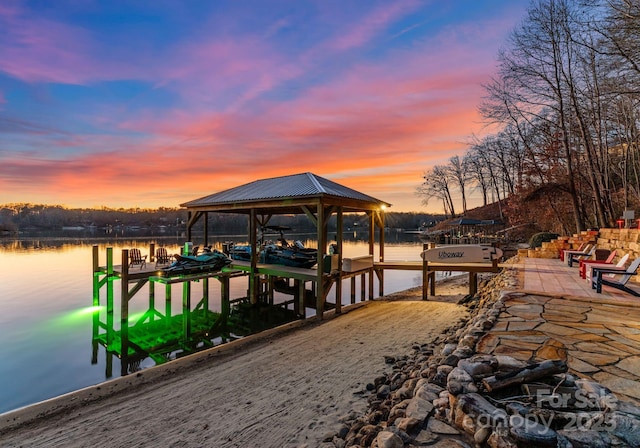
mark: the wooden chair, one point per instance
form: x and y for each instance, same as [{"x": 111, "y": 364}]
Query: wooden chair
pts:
[
  {"x": 582, "y": 269},
  {"x": 163, "y": 257},
  {"x": 136, "y": 258},
  {"x": 564, "y": 252},
  {"x": 619, "y": 267},
  {"x": 597, "y": 280},
  {"x": 584, "y": 255}
]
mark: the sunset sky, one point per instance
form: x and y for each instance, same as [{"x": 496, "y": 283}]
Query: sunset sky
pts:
[{"x": 154, "y": 103}]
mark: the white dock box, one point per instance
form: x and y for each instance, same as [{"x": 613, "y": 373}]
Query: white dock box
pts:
[{"x": 357, "y": 263}]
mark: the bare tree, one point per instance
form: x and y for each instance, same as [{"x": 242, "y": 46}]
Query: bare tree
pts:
[
  {"x": 436, "y": 185},
  {"x": 459, "y": 173}
]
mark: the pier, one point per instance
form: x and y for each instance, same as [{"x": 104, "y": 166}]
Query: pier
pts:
[
  {"x": 320, "y": 200},
  {"x": 154, "y": 334}
]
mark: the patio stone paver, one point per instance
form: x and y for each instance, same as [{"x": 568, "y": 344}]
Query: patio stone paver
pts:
[{"x": 556, "y": 315}]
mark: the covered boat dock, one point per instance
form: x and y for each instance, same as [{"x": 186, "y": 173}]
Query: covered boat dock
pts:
[{"x": 317, "y": 198}]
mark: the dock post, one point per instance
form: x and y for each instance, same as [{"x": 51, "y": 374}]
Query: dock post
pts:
[
  {"x": 425, "y": 275},
  {"x": 339, "y": 294},
  {"x": 96, "y": 305},
  {"x": 322, "y": 247},
  {"x": 110, "y": 329},
  {"x": 167, "y": 304},
  {"x": 380, "y": 273},
  {"x": 152, "y": 252},
  {"x": 473, "y": 283},
  {"x": 339, "y": 235},
  {"x": 302, "y": 307},
  {"x": 205, "y": 293},
  {"x": 152, "y": 301},
  {"x": 96, "y": 293},
  {"x": 271, "y": 289},
  {"x": 186, "y": 311},
  {"x": 124, "y": 314},
  {"x": 225, "y": 299},
  {"x": 353, "y": 289}
]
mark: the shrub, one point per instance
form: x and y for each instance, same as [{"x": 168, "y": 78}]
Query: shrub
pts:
[{"x": 537, "y": 239}]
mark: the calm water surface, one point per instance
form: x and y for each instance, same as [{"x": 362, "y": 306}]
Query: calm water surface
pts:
[{"x": 46, "y": 298}]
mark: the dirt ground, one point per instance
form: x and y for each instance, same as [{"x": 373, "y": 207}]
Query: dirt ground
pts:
[{"x": 280, "y": 389}]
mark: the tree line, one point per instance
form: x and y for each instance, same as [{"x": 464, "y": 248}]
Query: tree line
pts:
[
  {"x": 25, "y": 216},
  {"x": 563, "y": 109}
]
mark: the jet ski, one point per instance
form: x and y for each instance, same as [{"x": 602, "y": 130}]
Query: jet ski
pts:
[{"x": 208, "y": 261}]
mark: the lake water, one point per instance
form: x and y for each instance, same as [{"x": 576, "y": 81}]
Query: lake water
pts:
[{"x": 46, "y": 299}]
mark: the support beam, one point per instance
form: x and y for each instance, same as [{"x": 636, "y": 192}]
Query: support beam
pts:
[
  {"x": 372, "y": 242},
  {"x": 124, "y": 314},
  {"x": 206, "y": 228},
  {"x": 310, "y": 215},
  {"x": 322, "y": 245},
  {"x": 380, "y": 219},
  {"x": 339, "y": 229},
  {"x": 253, "y": 241}
]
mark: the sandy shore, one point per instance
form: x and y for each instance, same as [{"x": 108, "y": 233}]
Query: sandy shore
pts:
[{"x": 281, "y": 389}]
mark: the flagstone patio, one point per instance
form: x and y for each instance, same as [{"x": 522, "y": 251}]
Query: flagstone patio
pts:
[{"x": 556, "y": 315}]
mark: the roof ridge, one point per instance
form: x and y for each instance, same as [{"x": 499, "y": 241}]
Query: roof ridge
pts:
[{"x": 315, "y": 182}]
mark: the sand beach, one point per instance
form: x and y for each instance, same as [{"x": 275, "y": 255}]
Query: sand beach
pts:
[{"x": 288, "y": 387}]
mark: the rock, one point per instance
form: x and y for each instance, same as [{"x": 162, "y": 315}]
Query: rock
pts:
[
  {"x": 451, "y": 360},
  {"x": 386, "y": 439},
  {"x": 425, "y": 437},
  {"x": 623, "y": 427},
  {"x": 624, "y": 407},
  {"x": 459, "y": 381},
  {"x": 403, "y": 392},
  {"x": 398, "y": 411},
  {"x": 379, "y": 380},
  {"x": 425, "y": 392},
  {"x": 480, "y": 410},
  {"x": 531, "y": 433},
  {"x": 479, "y": 366},
  {"x": 448, "y": 349},
  {"x": 441, "y": 403},
  {"x": 509, "y": 363},
  {"x": 499, "y": 438},
  {"x": 581, "y": 438},
  {"x": 440, "y": 378},
  {"x": 463, "y": 352},
  {"x": 367, "y": 435},
  {"x": 439, "y": 427},
  {"x": 408, "y": 424},
  {"x": 419, "y": 409},
  {"x": 383, "y": 391},
  {"x": 338, "y": 442},
  {"x": 482, "y": 434}
]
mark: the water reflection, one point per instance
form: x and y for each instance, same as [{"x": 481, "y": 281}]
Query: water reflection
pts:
[{"x": 46, "y": 320}]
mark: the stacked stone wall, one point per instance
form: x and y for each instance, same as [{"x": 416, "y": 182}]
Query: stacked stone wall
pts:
[{"x": 552, "y": 249}]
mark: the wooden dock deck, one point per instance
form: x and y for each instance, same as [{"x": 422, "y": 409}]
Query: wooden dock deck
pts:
[{"x": 430, "y": 268}]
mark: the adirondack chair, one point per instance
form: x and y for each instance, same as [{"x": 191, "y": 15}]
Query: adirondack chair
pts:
[
  {"x": 598, "y": 280},
  {"x": 163, "y": 257},
  {"x": 582, "y": 268},
  {"x": 619, "y": 267},
  {"x": 585, "y": 255},
  {"x": 136, "y": 258},
  {"x": 564, "y": 252}
]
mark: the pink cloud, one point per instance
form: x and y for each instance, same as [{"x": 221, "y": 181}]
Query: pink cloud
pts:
[
  {"x": 373, "y": 24},
  {"x": 41, "y": 50},
  {"x": 373, "y": 126}
]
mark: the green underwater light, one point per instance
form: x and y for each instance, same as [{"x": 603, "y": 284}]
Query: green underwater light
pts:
[{"x": 75, "y": 317}]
